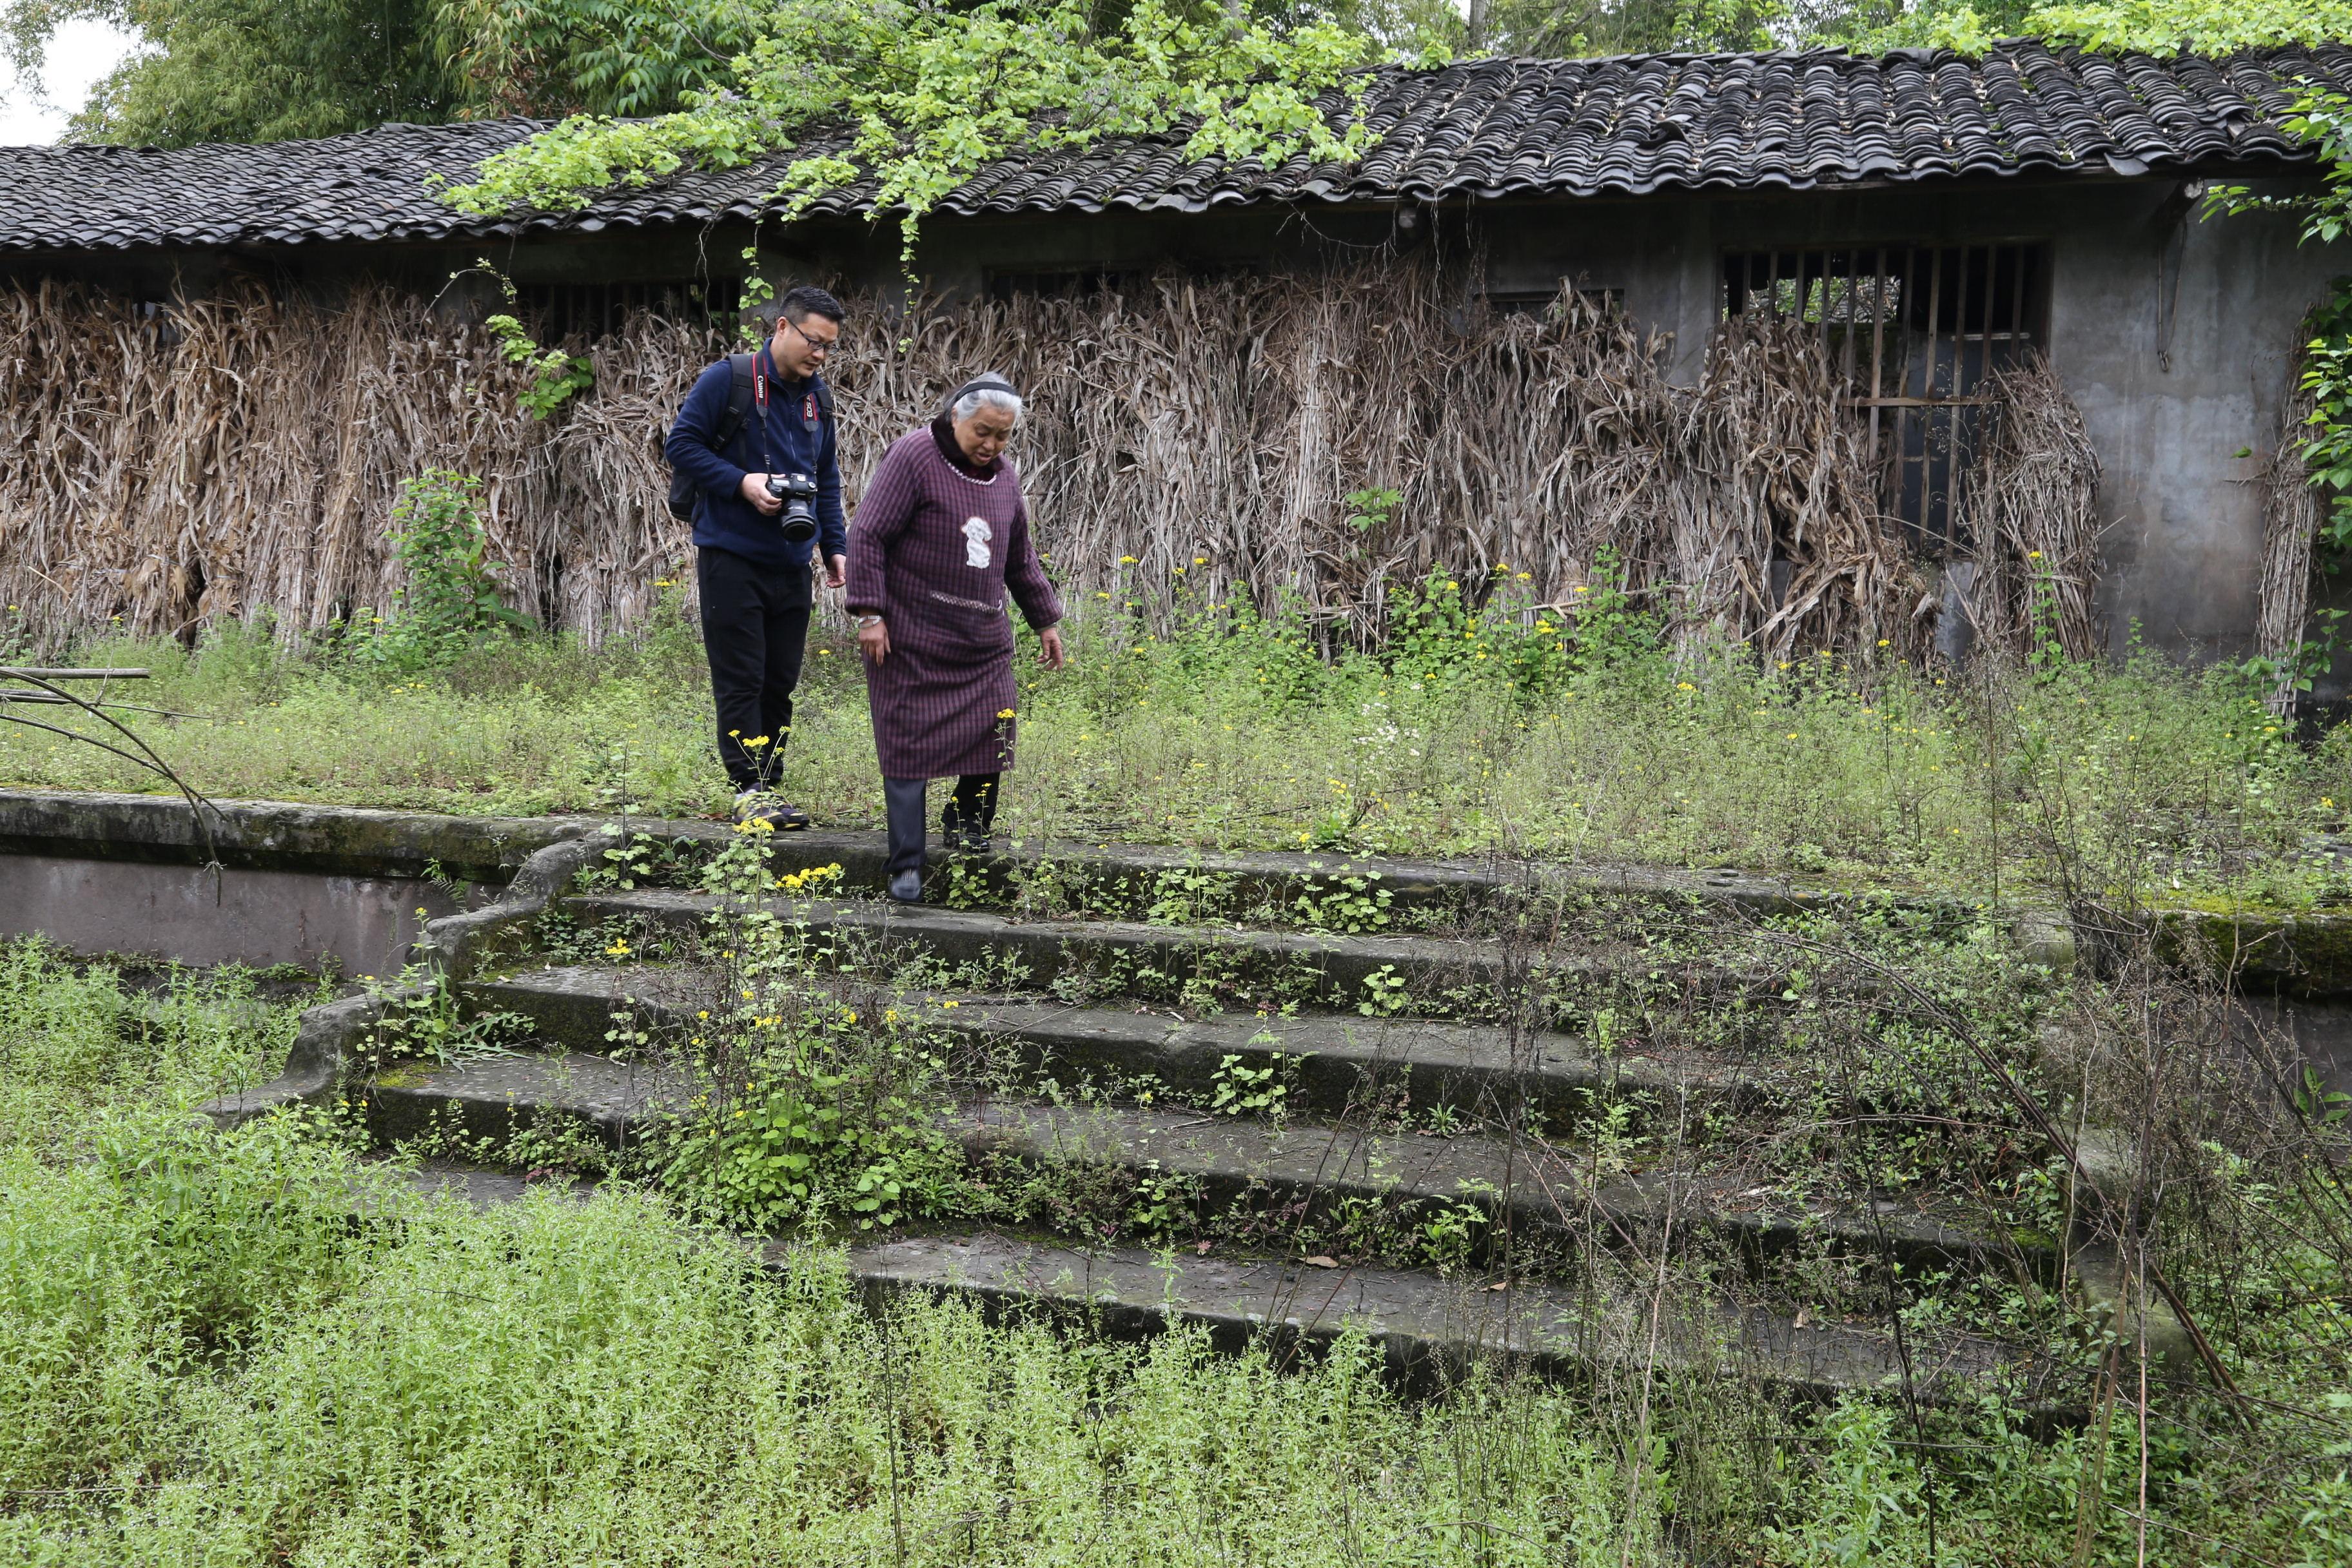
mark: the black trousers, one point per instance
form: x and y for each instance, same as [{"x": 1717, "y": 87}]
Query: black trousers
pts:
[
  {"x": 755, "y": 622},
  {"x": 972, "y": 808}
]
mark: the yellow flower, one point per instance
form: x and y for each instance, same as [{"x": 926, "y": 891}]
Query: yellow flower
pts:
[
  {"x": 1579, "y": 587},
  {"x": 1883, "y": 642},
  {"x": 1451, "y": 586},
  {"x": 950, "y": 1004},
  {"x": 1004, "y": 712},
  {"x": 1199, "y": 560},
  {"x": 1685, "y": 686},
  {"x": 2033, "y": 555},
  {"x": 1127, "y": 559}
]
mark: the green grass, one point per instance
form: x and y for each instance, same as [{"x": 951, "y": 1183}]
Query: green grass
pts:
[
  {"x": 225, "y": 1351},
  {"x": 1236, "y": 734}
]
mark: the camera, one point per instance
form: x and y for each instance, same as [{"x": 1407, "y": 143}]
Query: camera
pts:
[{"x": 798, "y": 492}]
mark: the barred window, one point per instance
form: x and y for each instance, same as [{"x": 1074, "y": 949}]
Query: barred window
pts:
[
  {"x": 561, "y": 313},
  {"x": 1915, "y": 332}
]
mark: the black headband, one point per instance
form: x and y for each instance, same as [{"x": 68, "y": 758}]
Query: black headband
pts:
[{"x": 978, "y": 383}]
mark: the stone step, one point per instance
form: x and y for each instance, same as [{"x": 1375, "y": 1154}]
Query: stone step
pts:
[
  {"x": 1391, "y": 975},
  {"x": 1049, "y": 950},
  {"x": 1428, "y": 1327},
  {"x": 1128, "y": 876},
  {"x": 1237, "y": 1172},
  {"x": 1328, "y": 1064}
]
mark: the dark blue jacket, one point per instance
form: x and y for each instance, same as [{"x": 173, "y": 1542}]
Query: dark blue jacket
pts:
[{"x": 800, "y": 439}]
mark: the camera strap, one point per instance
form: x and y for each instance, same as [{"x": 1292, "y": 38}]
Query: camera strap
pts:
[{"x": 759, "y": 403}]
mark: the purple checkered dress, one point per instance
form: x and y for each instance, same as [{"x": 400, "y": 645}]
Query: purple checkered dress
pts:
[{"x": 934, "y": 549}]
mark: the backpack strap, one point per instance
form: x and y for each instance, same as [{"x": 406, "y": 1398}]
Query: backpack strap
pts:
[
  {"x": 823, "y": 395},
  {"x": 738, "y": 402}
]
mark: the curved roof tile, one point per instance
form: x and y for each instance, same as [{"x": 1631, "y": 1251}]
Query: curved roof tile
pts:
[{"x": 1630, "y": 124}]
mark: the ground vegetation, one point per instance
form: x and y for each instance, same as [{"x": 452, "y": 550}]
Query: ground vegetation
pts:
[
  {"x": 1470, "y": 731},
  {"x": 264, "y": 1346}
]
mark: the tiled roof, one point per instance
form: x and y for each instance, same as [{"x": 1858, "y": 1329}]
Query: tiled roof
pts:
[{"x": 1484, "y": 129}]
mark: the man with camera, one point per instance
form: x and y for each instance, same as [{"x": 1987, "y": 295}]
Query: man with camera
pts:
[{"x": 757, "y": 463}]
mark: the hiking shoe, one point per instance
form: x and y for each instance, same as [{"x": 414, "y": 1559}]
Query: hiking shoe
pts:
[
  {"x": 755, "y": 805},
  {"x": 956, "y": 834},
  {"x": 907, "y": 886}
]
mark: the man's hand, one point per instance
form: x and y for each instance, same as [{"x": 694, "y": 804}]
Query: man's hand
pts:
[
  {"x": 874, "y": 641},
  {"x": 1049, "y": 648},
  {"x": 755, "y": 490},
  {"x": 836, "y": 570}
]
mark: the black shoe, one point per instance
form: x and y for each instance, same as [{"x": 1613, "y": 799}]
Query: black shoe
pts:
[
  {"x": 907, "y": 886},
  {"x": 751, "y": 805},
  {"x": 955, "y": 834}
]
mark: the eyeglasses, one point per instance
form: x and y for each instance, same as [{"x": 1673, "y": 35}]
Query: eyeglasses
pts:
[{"x": 826, "y": 346}]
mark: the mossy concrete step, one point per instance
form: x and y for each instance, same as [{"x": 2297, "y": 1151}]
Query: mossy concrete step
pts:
[
  {"x": 1140, "y": 872},
  {"x": 1326, "y": 1063},
  {"x": 493, "y": 1096},
  {"x": 1233, "y": 1169},
  {"x": 1428, "y": 1327},
  {"x": 1538, "y": 1193},
  {"x": 1336, "y": 967}
]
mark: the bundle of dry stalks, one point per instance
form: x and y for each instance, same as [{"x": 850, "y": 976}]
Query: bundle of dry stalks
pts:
[
  {"x": 2032, "y": 508},
  {"x": 2292, "y": 516},
  {"x": 1215, "y": 426}
]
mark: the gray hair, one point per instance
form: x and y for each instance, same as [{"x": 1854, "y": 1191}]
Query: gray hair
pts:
[{"x": 990, "y": 391}]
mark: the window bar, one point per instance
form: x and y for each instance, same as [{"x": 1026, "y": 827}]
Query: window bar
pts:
[
  {"x": 2017, "y": 310},
  {"x": 1927, "y": 518},
  {"x": 1964, "y": 387},
  {"x": 1846, "y": 355},
  {"x": 1878, "y": 352}
]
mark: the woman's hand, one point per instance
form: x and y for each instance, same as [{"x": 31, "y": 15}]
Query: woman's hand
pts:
[
  {"x": 874, "y": 641},
  {"x": 1049, "y": 648}
]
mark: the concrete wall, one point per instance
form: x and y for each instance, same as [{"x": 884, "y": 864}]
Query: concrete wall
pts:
[{"x": 2173, "y": 334}]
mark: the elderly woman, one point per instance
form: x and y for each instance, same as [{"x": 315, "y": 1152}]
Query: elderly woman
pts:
[{"x": 940, "y": 537}]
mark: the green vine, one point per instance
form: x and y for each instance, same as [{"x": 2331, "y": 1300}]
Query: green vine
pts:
[
  {"x": 556, "y": 377},
  {"x": 915, "y": 99}
]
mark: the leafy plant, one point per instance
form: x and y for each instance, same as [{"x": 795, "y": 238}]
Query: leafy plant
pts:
[
  {"x": 1369, "y": 510},
  {"x": 1384, "y": 994},
  {"x": 449, "y": 601},
  {"x": 1353, "y": 903},
  {"x": 1241, "y": 1089},
  {"x": 556, "y": 376}
]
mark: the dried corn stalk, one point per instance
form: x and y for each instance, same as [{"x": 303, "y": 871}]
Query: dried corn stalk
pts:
[
  {"x": 1214, "y": 426},
  {"x": 2292, "y": 517},
  {"x": 2032, "y": 506}
]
